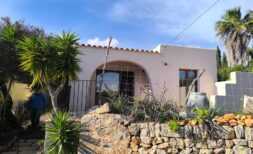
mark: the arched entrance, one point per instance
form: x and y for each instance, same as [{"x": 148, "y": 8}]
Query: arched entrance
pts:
[{"x": 122, "y": 77}]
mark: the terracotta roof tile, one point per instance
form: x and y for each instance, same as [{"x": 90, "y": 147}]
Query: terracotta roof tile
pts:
[{"x": 117, "y": 48}]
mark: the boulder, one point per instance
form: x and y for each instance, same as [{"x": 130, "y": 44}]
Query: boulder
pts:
[
  {"x": 103, "y": 109},
  {"x": 248, "y": 133},
  {"x": 239, "y": 131},
  {"x": 241, "y": 150},
  {"x": 104, "y": 133},
  {"x": 230, "y": 133},
  {"x": 248, "y": 122}
]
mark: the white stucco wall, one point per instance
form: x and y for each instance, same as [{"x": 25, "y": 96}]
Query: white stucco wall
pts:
[{"x": 160, "y": 75}]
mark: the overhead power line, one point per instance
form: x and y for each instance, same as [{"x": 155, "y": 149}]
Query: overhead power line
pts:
[{"x": 197, "y": 18}]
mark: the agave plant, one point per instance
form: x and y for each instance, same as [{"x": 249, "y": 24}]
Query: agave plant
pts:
[{"x": 62, "y": 135}]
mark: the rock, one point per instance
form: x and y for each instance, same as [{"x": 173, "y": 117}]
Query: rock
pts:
[
  {"x": 248, "y": 133},
  {"x": 146, "y": 140},
  {"x": 248, "y": 122},
  {"x": 135, "y": 140},
  {"x": 163, "y": 146},
  {"x": 229, "y": 151},
  {"x": 166, "y": 132},
  {"x": 229, "y": 116},
  {"x": 241, "y": 150},
  {"x": 165, "y": 139},
  {"x": 146, "y": 146},
  {"x": 104, "y": 133},
  {"x": 134, "y": 129},
  {"x": 151, "y": 126},
  {"x": 186, "y": 151},
  {"x": 197, "y": 132},
  {"x": 180, "y": 143},
  {"x": 143, "y": 151},
  {"x": 143, "y": 125},
  {"x": 250, "y": 144},
  {"x": 152, "y": 150},
  {"x": 248, "y": 104},
  {"x": 233, "y": 122},
  {"x": 160, "y": 151},
  {"x": 144, "y": 132},
  {"x": 205, "y": 151},
  {"x": 229, "y": 143},
  {"x": 219, "y": 151},
  {"x": 240, "y": 142},
  {"x": 211, "y": 144},
  {"x": 220, "y": 143},
  {"x": 105, "y": 108},
  {"x": 201, "y": 144},
  {"x": 230, "y": 133},
  {"x": 157, "y": 140},
  {"x": 239, "y": 132},
  {"x": 157, "y": 130},
  {"x": 188, "y": 131},
  {"x": 188, "y": 143},
  {"x": 173, "y": 142},
  {"x": 172, "y": 151},
  {"x": 134, "y": 147}
]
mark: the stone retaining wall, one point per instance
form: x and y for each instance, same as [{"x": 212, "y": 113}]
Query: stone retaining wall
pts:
[
  {"x": 158, "y": 138},
  {"x": 110, "y": 133}
]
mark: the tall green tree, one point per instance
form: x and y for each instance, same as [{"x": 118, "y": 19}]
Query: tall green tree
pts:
[
  {"x": 51, "y": 61},
  {"x": 224, "y": 60},
  {"x": 236, "y": 32},
  {"x": 218, "y": 57}
]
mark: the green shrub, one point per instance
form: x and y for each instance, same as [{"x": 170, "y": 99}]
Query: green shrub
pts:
[
  {"x": 62, "y": 135},
  {"x": 224, "y": 71},
  {"x": 119, "y": 104},
  {"x": 173, "y": 125},
  {"x": 154, "y": 110},
  {"x": 202, "y": 114}
]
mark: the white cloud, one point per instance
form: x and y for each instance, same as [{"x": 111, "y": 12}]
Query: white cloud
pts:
[
  {"x": 167, "y": 17},
  {"x": 98, "y": 41}
]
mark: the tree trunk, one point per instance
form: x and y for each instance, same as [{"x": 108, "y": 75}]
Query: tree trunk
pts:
[
  {"x": 54, "y": 95},
  {"x": 53, "y": 98}
]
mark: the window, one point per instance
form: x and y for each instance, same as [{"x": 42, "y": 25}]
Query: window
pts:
[
  {"x": 118, "y": 82},
  {"x": 186, "y": 77}
]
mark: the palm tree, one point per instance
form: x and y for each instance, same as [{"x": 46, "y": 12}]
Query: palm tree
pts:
[
  {"x": 236, "y": 32},
  {"x": 51, "y": 61}
]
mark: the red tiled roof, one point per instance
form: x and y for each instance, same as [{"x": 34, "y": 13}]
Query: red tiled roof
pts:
[{"x": 117, "y": 48}]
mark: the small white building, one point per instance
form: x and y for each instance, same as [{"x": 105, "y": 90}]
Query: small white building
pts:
[{"x": 137, "y": 72}]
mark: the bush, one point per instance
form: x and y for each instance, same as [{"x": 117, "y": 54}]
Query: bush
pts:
[
  {"x": 154, "y": 110},
  {"x": 62, "y": 135},
  {"x": 224, "y": 71},
  {"x": 202, "y": 114},
  {"x": 119, "y": 104},
  {"x": 147, "y": 109}
]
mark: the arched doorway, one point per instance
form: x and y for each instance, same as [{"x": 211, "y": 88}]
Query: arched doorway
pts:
[{"x": 122, "y": 77}]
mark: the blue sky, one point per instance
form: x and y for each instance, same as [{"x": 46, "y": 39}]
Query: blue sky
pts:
[{"x": 132, "y": 23}]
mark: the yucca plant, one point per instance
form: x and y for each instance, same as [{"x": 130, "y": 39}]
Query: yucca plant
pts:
[
  {"x": 51, "y": 61},
  {"x": 62, "y": 135}
]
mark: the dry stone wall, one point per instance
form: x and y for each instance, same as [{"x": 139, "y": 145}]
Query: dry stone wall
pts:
[{"x": 111, "y": 133}]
